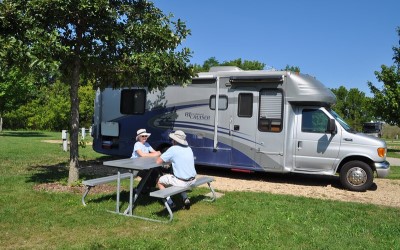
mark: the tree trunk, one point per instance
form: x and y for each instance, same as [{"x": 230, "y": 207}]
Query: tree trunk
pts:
[
  {"x": 1, "y": 123},
  {"x": 73, "y": 176}
]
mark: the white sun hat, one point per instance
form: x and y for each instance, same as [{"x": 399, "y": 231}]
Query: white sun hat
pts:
[
  {"x": 179, "y": 136},
  {"x": 140, "y": 132}
]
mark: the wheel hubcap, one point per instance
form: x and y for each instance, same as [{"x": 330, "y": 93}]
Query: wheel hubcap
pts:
[{"x": 357, "y": 176}]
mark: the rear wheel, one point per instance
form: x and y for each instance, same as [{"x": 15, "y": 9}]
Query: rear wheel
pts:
[{"x": 356, "y": 176}]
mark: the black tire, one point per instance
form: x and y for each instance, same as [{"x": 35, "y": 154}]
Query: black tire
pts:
[{"x": 356, "y": 176}]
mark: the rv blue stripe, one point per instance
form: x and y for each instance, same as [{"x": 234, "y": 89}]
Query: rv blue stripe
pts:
[{"x": 187, "y": 125}]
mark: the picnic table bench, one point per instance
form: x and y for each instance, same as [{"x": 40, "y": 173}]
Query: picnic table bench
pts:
[
  {"x": 172, "y": 190},
  {"x": 102, "y": 180}
]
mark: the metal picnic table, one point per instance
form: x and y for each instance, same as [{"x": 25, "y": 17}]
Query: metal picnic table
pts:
[{"x": 133, "y": 166}]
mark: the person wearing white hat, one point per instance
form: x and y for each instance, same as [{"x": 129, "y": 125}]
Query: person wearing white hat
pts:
[
  {"x": 182, "y": 159},
  {"x": 142, "y": 148}
]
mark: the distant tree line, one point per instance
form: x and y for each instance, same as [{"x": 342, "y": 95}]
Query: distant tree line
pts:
[
  {"x": 353, "y": 106},
  {"x": 49, "y": 109}
]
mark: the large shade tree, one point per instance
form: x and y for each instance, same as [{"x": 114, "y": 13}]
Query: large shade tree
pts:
[
  {"x": 118, "y": 42},
  {"x": 386, "y": 102}
]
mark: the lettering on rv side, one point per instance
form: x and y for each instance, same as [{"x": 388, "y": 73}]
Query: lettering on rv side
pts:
[{"x": 197, "y": 116}]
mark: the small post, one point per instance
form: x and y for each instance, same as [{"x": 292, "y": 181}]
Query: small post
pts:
[
  {"x": 83, "y": 133},
  {"x": 64, "y": 136}
]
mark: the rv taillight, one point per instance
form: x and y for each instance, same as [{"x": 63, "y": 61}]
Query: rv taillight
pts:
[{"x": 381, "y": 152}]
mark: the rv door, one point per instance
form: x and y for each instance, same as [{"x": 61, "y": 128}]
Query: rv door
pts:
[
  {"x": 270, "y": 136},
  {"x": 243, "y": 126}
]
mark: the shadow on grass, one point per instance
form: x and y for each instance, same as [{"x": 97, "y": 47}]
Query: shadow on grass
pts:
[
  {"x": 179, "y": 204},
  {"x": 23, "y": 134},
  {"x": 144, "y": 201},
  {"x": 48, "y": 174},
  {"x": 60, "y": 172}
]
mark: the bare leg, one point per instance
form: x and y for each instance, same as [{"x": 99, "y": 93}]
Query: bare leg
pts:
[
  {"x": 160, "y": 185},
  {"x": 169, "y": 200}
]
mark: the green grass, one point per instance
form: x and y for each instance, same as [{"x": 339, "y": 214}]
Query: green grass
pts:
[
  {"x": 393, "y": 148},
  {"x": 394, "y": 173},
  {"x": 32, "y": 219}
]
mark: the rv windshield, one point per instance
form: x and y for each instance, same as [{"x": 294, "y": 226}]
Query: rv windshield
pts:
[{"x": 341, "y": 121}]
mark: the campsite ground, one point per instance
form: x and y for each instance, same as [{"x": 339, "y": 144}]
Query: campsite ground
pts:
[{"x": 383, "y": 192}]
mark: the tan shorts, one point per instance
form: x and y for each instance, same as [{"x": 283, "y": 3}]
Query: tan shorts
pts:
[{"x": 170, "y": 180}]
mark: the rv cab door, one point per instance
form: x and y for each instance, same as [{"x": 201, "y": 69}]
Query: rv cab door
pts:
[{"x": 316, "y": 149}]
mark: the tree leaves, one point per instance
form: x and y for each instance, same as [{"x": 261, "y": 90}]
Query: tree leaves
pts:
[
  {"x": 118, "y": 43},
  {"x": 353, "y": 106},
  {"x": 386, "y": 102},
  {"x": 245, "y": 65}
]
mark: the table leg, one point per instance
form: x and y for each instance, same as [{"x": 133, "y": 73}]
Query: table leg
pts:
[
  {"x": 131, "y": 192},
  {"x": 132, "y": 199},
  {"x": 142, "y": 183},
  {"x": 118, "y": 190}
]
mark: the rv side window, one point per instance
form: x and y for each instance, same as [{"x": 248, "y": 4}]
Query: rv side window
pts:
[
  {"x": 245, "y": 105},
  {"x": 271, "y": 105},
  {"x": 222, "y": 102},
  {"x": 314, "y": 121},
  {"x": 133, "y": 101}
]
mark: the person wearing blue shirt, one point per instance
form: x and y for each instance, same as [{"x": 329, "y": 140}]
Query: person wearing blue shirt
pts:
[
  {"x": 143, "y": 149},
  {"x": 180, "y": 155}
]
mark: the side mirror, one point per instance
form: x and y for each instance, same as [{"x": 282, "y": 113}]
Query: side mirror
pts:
[{"x": 332, "y": 127}]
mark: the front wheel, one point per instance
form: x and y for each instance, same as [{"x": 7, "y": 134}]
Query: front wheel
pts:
[{"x": 356, "y": 176}]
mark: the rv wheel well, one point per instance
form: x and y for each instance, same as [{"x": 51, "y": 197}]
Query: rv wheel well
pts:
[{"x": 356, "y": 158}]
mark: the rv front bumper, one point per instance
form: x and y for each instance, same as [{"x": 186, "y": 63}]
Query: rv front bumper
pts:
[{"x": 382, "y": 169}]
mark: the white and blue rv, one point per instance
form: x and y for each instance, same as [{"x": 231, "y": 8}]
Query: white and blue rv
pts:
[{"x": 271, "y": 121}]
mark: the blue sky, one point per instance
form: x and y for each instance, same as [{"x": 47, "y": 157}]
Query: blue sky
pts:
[{"x": 340, "y": 42}]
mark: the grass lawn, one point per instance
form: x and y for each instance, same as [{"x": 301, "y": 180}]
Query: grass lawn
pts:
[
  {"x": 393, "y": 148},
  {"x": 32, "y": 219}
]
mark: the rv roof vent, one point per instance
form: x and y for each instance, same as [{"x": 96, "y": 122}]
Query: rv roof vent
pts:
[{"x": 224, "y": 68}]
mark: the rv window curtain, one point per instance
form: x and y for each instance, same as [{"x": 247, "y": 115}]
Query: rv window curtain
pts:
[
  {"x": 271, "y": 104},
  {"x": 270, "y": 116}
]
